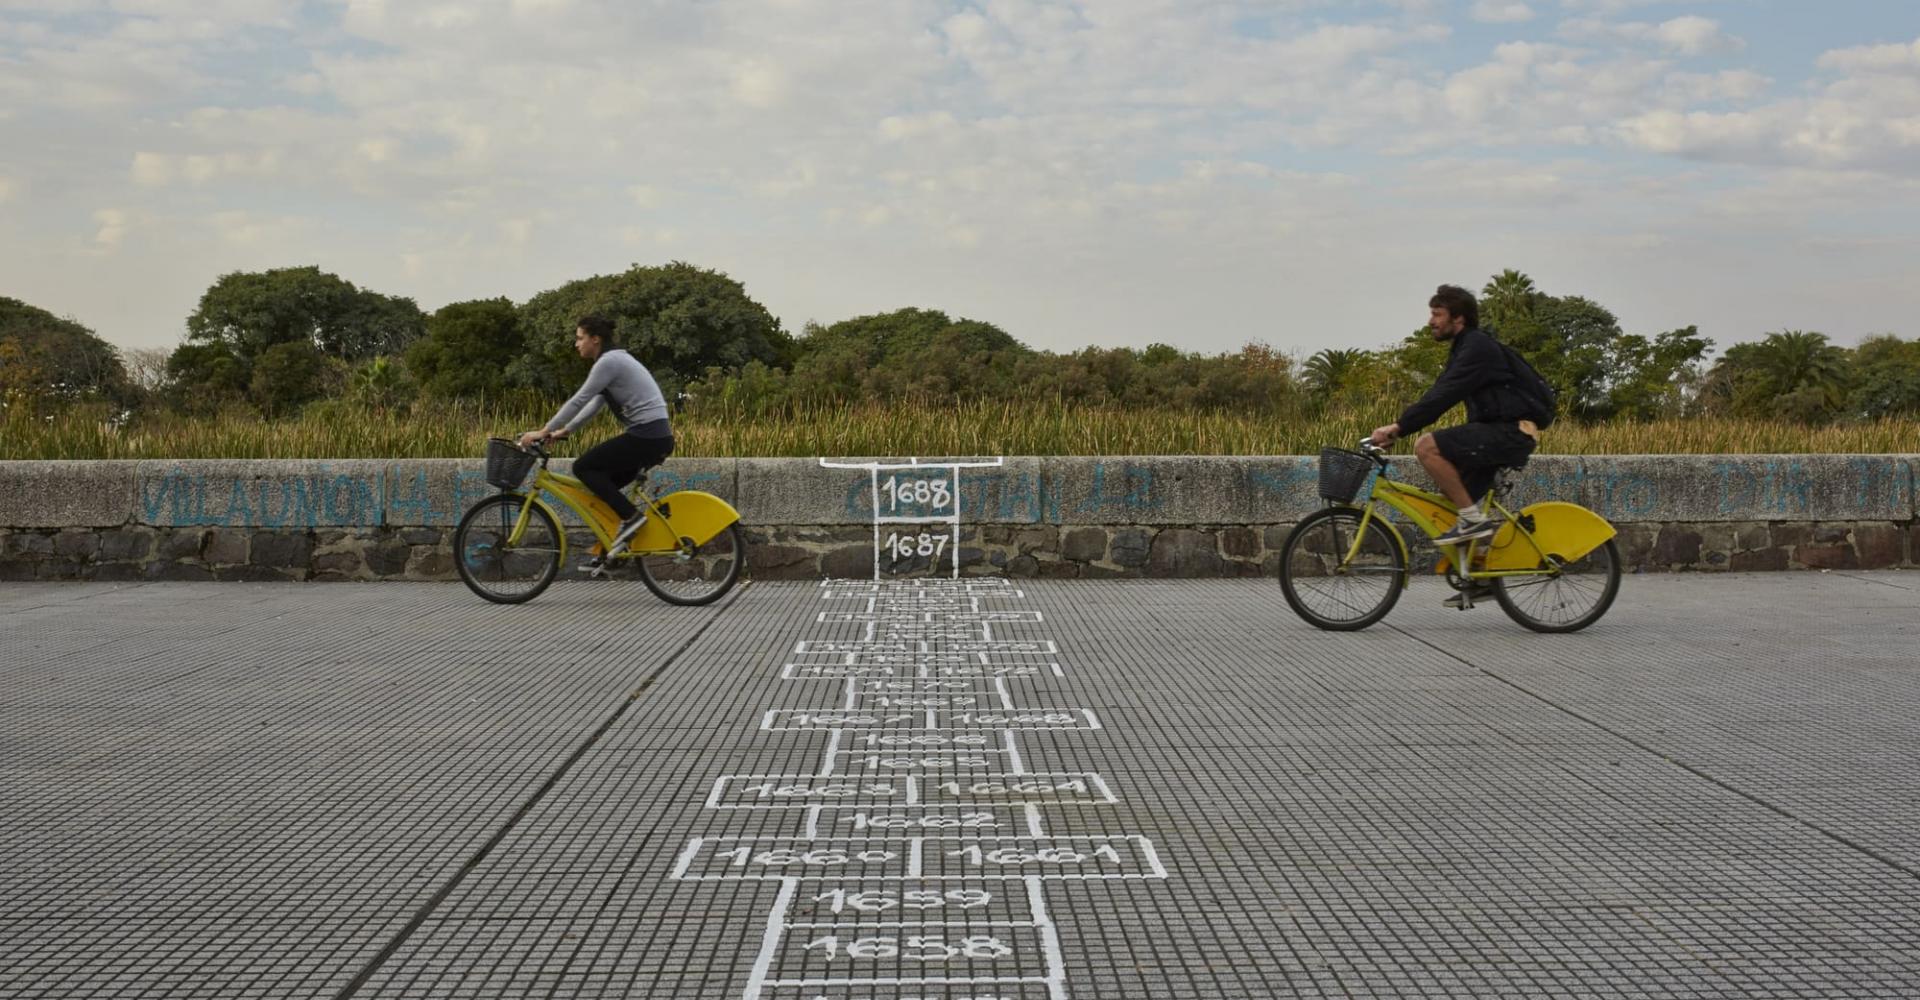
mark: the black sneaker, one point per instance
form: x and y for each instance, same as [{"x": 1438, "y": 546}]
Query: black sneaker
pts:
[
  {"x": 1465, "y": 599},
  {"x": 627, "y": 529},
  {"x": 1464, "y": 531}
]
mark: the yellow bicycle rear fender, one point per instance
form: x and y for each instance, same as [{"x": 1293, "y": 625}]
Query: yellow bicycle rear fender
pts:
[
  {"x": 1565, "y": 530},
  {"x": 690, "y": 514}
]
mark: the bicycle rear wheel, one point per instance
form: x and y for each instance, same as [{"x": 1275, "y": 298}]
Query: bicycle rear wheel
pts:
[
  {"x": 1330, "y": 591},
  {"x": 1568, "y": 601},
  {"x": 495, "y": 566},
  {"x": 696, "y": 574}
]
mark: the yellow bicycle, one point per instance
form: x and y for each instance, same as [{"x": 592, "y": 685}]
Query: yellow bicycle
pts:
[
  {"x": 1553, "y": 566},
  {"x": 509, "y": 547}
]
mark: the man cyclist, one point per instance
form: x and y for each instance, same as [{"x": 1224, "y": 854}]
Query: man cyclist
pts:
[
  {"x": 1500, "y": 428},
  {"x": 619, "y": 380}
]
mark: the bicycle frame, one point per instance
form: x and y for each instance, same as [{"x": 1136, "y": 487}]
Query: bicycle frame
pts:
[
  {"x": 660, "y": 534},
  {"x": 1433, "y": 514}
]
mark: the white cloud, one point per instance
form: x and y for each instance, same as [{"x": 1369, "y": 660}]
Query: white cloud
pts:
[
  {"x": 1693, "y": 36},
  {"x": 112, "y": 229},
  {"x": 1867, "y": 117},
  {"x": 1904, "y": 57},
  {"x": 155, "y": 170},
  {"x": 268, "y": 235},
  {"x": 759, "y": 85},
  {"x": 7, "y": 187},
  {"x": 1685, "y": 36},
  {"x": 1501, "y": 11},
  {"x": 1033, "y": 162}
]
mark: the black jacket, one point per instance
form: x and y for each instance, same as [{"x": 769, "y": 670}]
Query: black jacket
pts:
[{"x": 1477, "y": 372}]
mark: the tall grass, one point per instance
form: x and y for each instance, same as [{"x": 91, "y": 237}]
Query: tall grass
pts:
[{"x": 1036, "y": 427}]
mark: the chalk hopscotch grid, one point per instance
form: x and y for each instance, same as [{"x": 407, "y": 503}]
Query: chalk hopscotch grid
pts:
[{"x": 927, "y": 686}]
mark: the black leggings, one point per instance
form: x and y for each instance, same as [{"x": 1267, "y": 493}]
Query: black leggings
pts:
[{"x": 612, "y": 464}]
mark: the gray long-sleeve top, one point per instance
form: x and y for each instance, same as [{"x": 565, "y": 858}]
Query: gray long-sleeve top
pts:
[{"x": 620, "y": 379}]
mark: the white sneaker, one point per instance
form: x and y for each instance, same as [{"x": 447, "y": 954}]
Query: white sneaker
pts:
[{"x": 1467, "y": 531}]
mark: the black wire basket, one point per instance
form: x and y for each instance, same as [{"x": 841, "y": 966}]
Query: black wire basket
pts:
[
  {"x": 507, "y": 463},
  {"x": 1343, "y": 474}
]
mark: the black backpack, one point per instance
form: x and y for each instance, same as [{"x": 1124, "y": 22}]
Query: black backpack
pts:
[{"x": 1529, "y": 384}]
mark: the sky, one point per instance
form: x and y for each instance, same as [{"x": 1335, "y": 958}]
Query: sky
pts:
[{"x": 1201, "y": 173}]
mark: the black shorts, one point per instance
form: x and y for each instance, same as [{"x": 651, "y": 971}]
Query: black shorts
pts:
[{"x": 1479, "y": 449}]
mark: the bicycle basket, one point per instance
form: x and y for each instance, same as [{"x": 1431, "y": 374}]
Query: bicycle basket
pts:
[
  {"x": 1342, "y": 474},
  {"x": 507, "y": 464}
]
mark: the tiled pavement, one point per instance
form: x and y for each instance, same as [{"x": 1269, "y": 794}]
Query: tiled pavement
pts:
[{"x": 396, "y": 790}]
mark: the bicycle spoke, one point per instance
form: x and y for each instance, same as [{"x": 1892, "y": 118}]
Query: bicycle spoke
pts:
[
  {"x": 1329, "y": 586},
  {"x": 1566, "y": 597}
]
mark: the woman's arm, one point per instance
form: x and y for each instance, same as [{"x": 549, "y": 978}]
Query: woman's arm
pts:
[{"x": 587, "y": 402}]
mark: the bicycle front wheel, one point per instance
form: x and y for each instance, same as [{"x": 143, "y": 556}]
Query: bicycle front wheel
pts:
[
  {"x": 1329, "y": 589},
  {"x": 696, "y": 574},
  {"x": 1564, "y": 601},
  {"x": 493, "y": 563}
]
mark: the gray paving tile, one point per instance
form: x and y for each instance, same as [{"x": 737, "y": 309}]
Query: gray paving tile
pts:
[{"x": 393, "y": 790}]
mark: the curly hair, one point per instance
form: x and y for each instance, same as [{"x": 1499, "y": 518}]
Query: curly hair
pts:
[{"x": 1458, "y": 302}]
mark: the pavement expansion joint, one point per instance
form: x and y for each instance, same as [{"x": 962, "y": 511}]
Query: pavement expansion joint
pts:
[{"x": 439, "y": 897}]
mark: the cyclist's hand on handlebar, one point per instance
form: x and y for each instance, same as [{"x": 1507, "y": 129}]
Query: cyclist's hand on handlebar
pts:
[{"x": 1384, "y": 436}]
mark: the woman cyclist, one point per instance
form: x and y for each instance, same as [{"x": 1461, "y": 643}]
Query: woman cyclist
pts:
[{"x": 619, "y": 381}]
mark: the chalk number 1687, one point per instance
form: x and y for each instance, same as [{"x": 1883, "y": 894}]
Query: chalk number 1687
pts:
[{"x": 901, "y": 546}]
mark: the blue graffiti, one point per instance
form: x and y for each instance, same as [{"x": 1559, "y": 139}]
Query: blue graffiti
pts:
[
  {"x": 312, "y": 500},
  {"x": 417, "y": 503},
  {"x": 1881, "y": 484},
  {"x": 662, "y": 481},
  {"x": 1288, "y": 480},
  {"x": 1133, "y": 493},
  {"x": 1776, "y": 487}
]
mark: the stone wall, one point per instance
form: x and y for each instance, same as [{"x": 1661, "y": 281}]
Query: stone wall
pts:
[{"x": 1031, "y": 517}]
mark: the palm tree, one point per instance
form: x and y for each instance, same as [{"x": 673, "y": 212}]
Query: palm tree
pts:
[
  {"x": 1508, "y": 298},
  {"x": 1329, "y": 369},
  {"x": 1794, "y": 373},
  {"x": 1796, "y": 360}
]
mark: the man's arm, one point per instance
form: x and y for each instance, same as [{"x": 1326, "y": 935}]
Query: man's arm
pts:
[{"x": 1478, "y": 363}]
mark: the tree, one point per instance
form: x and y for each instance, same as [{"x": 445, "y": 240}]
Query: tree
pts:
[
  {"x": 467, "y": 350},
  {"x": 58, "y": 358},
  {"x": 1508, "y": 300},
  {"x": 202, "y": 377},
  {"x": 1654, "y": 378},
  {"x": 908, "y": 352},
  {"x": 678, "y": 319},
  {"x": 1598, "y": 369},
  {"x": 288, "y": 376},
  {"x": 1795, "y": 374},
  {"x": 147, "y": 368},
  {"x": 1886, "y": 381},
  {"x": 250, "y": 312},
  {"x": 1327, "y": 371},
  {"x": 380, "y": 384}
]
